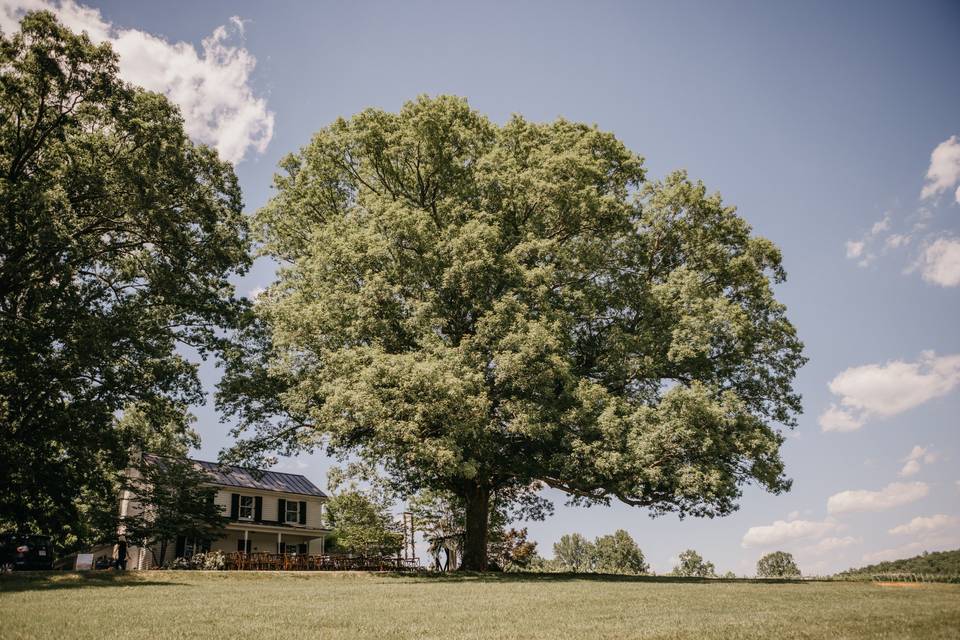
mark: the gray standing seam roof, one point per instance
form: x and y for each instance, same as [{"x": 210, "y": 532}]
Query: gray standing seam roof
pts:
[{"x": 230, "y": 476}]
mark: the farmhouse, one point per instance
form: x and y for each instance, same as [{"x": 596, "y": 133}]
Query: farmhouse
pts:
[{"x": 271, "y": 512}]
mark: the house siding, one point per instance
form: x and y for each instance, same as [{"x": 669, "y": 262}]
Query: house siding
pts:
[{"x": 271, "y": 501}]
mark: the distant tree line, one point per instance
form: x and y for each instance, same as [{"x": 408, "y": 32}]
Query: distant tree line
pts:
[
  {"x": 938, "y": 563},
  {"x": 613, "y": 553},
  {"x": 618, "y": 553}
]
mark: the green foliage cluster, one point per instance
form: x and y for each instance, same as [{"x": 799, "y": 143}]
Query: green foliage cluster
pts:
[
  {"x": 359, "y": 513},
  {"x": 778, "y": 564},
  {"x": 936, "y": 563},
  {"x": 118, "y": 236},
  {"x": 612, "y": 553},
  {"x": 171, "y": 498},
  {"x": 361, "y": 526},
  {"x": 206, "y": 561},
  {"x": 692, "y": 565},
  {"x": 509, "y": 550},
  {"x": 482, "y": 308}
]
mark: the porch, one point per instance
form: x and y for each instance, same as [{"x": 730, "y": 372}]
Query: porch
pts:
[{"x": 264, "y": 539}]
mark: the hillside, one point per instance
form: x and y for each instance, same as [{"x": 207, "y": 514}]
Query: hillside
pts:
[{"x": 939, "y": 563}]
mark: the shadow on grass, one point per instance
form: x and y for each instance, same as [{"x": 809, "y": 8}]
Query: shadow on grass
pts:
[
  {"x": 55, "y": 581},
  {"x": 470, "y": 576}
]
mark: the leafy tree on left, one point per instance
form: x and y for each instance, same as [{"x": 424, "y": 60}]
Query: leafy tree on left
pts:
[
  {"x": 118, "y": 237},
  {"x": 179, "y": 501}
]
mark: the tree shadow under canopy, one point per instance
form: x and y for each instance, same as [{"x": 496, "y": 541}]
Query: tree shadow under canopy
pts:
[{"x": 55, "y": 581}]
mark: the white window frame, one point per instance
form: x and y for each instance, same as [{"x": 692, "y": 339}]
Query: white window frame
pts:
[
  {"x": 295, "y": 511},
  {"x": 241, "y": 507}
]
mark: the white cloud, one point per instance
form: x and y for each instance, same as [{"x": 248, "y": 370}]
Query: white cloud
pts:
[
  {"x": 939, "y": 262},
  {"x": 855, "y": 248},
  {"x": 928, "y": 525},
  {"x": 783, "y": 531},
  {"x": 838, "y": 419},
  {"x": 903, "y": 551},
  {"x": 915, "y": 459},
  {"x": 897, "y": 240},
  {"x": 832, "y": 544},
  {"x": 880, "y": 226},
  {"x": 893, "y": 495},
  {"x": 944, "y": 171},
  {"x": 211, "y": 86},
  {"x": 910, "y": 468},
  {"x": 884, "y": 390},
  {"x": 859, "y": 250}
]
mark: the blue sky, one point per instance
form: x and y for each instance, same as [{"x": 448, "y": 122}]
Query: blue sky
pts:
[{"x": 829, "y": 125}]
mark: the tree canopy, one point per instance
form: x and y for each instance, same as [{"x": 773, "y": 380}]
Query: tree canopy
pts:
[
  {"x": 117, "y": 239},
  {"x": 946, "y": 563},
  {"x": 359, "y": 512},
  {"x": 692, "y": 565},
  {"x": 778, "y": 564},
  {"x": 171, "y": 496},
  {"x": 573, "y": 552},
  {"x": 618, "y": 553},
  {"x": 361, "y": 526},
  {"x": 612, "y": 553},
  {"x": 481, "y": 308}
]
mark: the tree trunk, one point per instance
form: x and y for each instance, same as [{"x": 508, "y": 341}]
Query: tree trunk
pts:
[{"x": 475, "y": 529}]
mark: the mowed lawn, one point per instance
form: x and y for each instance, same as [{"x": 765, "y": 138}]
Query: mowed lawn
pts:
[{"x": 209, "y": 605}]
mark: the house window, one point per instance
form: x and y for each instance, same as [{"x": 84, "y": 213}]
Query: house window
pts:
[
  {"x": 246, "y": 508},
  {"x": 293, "y": 511}
]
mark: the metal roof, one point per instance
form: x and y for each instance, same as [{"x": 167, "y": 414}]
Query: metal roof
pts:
[{"x": 231, "y": 476}]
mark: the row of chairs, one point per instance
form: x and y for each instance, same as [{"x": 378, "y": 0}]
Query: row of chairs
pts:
[{"x": 262, "y": 561}]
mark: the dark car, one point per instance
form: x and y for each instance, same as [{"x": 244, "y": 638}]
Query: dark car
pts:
[{"x": 20, "y": 552}]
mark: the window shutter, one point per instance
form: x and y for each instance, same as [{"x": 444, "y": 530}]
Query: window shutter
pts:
[
  {"x": 181, "y": 544},
  {"x": 303, "y": 512},
  {"x": 234, "y": 506},
  {"x": 302, "y": 549},
  {"x": 282, "y": 547},
  {"x": 281, "y": 511},
  {"x": 258, "y": 508}
]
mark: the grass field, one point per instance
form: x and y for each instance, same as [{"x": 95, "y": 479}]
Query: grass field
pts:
[{"x": 328, "y": 606}]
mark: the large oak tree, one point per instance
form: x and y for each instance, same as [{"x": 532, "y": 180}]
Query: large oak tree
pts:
[
  {"x": 481, "y": 308},
  {"x": 118, "y": 236}
]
